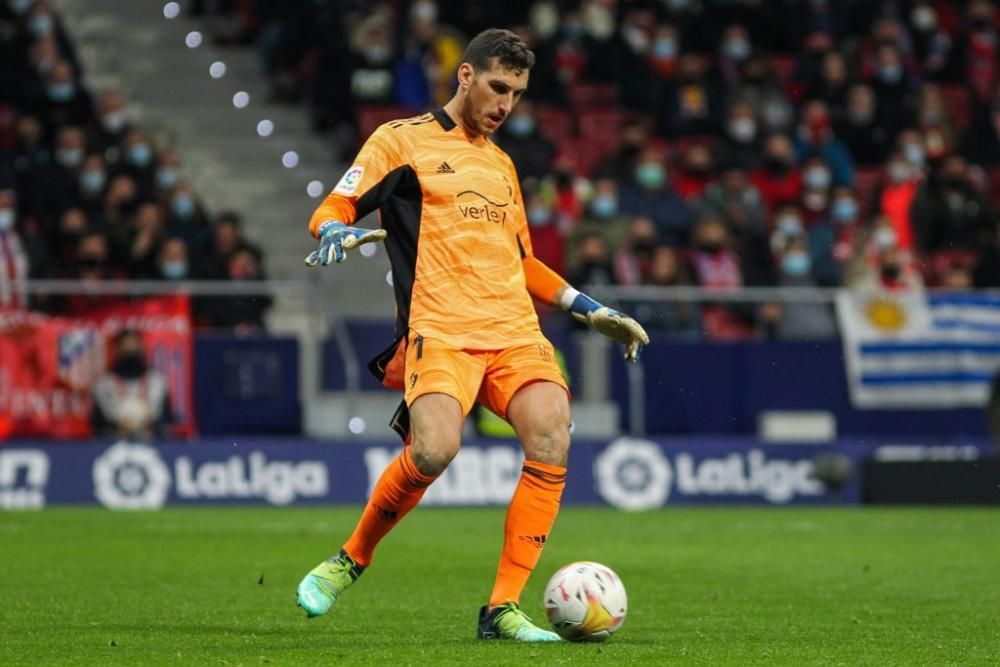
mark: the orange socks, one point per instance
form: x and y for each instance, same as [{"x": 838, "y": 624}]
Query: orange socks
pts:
[
  {"x": 397, "y": 491},
  {"x": 530, "y": 517}
]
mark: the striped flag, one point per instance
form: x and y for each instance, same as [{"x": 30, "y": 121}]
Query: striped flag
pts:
[
  {"x": 911, "y": 350},
  {"x": 81, "y": 357}
]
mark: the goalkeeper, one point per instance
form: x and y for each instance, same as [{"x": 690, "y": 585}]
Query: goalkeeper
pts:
[{"x": 454, "y": 226}]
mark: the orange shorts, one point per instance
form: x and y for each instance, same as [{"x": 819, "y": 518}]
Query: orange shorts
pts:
[{"x": 491, "y": 377}]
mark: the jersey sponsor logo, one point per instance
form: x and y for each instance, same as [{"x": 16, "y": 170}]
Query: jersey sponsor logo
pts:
[
  {"x": 445, "y": 168},
  {"x": 348, "y": 184},
  {"x": 475, "y": 206}
]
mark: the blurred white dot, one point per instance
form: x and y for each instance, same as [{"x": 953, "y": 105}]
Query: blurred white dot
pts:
[
  {"x": 356, "y": 425},
  {"x": 217, "y": 70},
  {"x": 290, "y": 159},
  {"x": 314, "y": 189},
  {"x": 265, "y": 128},
  {"x": 193, "y": 39},
  {"x": 171, "y": 10},
  {"x": 367, "y": 250},
  {"x": 388, "y": 278},
  {"x": 241, "y": 100}
]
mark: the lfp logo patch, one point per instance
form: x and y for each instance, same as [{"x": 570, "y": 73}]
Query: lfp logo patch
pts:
[{"x": 348, "y": 185}]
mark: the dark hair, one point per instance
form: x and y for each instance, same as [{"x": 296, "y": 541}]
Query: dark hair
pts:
[{"x": 501, "y": 44}]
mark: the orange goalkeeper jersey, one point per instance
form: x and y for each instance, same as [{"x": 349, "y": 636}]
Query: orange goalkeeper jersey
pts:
[{"x": 457, "y": 232}]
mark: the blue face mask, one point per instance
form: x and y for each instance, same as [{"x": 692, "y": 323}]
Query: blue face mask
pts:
[
  {"x": 538, "y": 215},
  {"x": 60, "y": 92},
  {"x": 183, "y": 206},
  {"x": 664, "y": 49},
  {"x": 92, "y": 181},
  {"x": 140, "y": 155},
  {"x": 69, "y": 157},
  {"x": 40, "y": 25},
  {"x": 845, "y": 210},
  {"x": 604, "y": 206},
  {"x": 789, "y": 225},
  {"x": 890, "y": 74},
  {"x": 796, "y": 264},
  {"x": 521, "y": 125},
  {"x": 166, "y": 178},
  {"x": 7, "y": 218},
  {"x": 174, "y": 269},
  {"x": 19, "y": 7},
  {"x": 651, "y": 175}
]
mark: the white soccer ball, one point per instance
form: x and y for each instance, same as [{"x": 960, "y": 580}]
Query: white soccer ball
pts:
[{"x": 585, "y": 602}]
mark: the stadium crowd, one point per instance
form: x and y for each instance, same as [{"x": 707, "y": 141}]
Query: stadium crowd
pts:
[
  {"x": 721, "y": 143},
  {"x": 88, "y": 195}
]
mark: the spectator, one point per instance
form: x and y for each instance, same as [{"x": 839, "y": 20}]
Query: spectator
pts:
[
  {"x": 603, "y": 215},
  {"x": 800, "y": 320},
  {"x": 816, "y": 180},
  {"x": 620, "y": 165},
  {"x": 54, "y": 187},
  {"x": 92, "y": 266},
  {"x": 861, "y": 128},
  {"x": 982, "y": 143},
  {"x": 778, "y": 180},
  {"x": 168, "y": 174},
  {"x": 675, "y": 317},
  {"x": 547, "y": 237},
  {"x": 633, "y": 258},
  {"x": 716, "y": 266},
  {"x": 138, "y": 161},
  {"x": 695, "y": 171},
  {"x": 91, "y": 184},
  {"x": 893, "y": 88},
  {"x": 741, "y": 140},
  {"x": 693, "y": 104},
  {"x": 186, "y": 216},
  {"x": 833, "y": 240},
  {"x": 832, "y": 84},
  {"x": 147, "y": 234},
  {"x": 949, "y": 213},
  {"x": 649, "y": 194},
  {"x": 982, "y": 49},
  {"x": 815, "y": 138},
  {"x": 895, "y": 196},
  {"x": 112, "y": 123},
  {"x": 131, "y": 400},
  {"x": 592, "y": 262},
  {"x": 734, "y": 200},
  {"x": 226, "y": 238},
  {"x": 65, "y": 102},
  {"x": 14, "y": 261},
  {"x": 172, "y": 260},
  {"x": 532, "y": 154},
  {"x": 244, "y": 314},
  {"x": 73, "y": 224}
]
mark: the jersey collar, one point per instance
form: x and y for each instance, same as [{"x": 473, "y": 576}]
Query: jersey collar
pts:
[{"x": 444, "y": 119}]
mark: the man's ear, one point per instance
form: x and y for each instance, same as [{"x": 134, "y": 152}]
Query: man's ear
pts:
[{"x": 465, "y": 75}]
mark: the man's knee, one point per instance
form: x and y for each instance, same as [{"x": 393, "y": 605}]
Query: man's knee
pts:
[
  {"x": 548, "y": 444},
  {"x": 431, "y": 455}
]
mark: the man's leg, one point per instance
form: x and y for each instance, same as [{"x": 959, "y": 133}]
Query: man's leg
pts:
[
  {"x": 539, "y": 412},
  {"x": 436, "y": 428}
]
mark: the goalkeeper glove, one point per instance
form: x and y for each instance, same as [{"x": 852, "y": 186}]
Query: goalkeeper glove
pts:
[
  {"x": 608, "y": 322},
  {"x": 336, "y": 238}
]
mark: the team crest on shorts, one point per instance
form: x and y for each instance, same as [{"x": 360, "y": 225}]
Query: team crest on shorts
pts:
[{"x": 348, "y": 184}]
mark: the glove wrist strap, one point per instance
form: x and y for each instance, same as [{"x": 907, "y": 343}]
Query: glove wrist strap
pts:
[{"x": 578, "y": 303}]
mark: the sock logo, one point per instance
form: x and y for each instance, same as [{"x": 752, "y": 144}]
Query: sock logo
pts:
[
  {"x": 537, "y": 541},
  {"x": 385, "y": 514}
]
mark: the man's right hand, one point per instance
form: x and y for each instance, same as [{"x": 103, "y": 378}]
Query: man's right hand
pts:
[{"x": 336, "y": 238}]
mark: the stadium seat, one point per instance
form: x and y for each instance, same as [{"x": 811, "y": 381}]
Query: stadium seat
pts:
[
  {"x": 602, "y": 127},
  {"x": 590, "y": 95},
  {"x": 554, "y": 124}
]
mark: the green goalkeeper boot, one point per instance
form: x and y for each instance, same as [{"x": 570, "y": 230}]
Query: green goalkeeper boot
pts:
[
  {"x": 508, "y": 622},
  {"x": 319, "y": 589}
]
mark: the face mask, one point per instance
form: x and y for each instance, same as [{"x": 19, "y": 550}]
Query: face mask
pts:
[
  {"x": 424, "y": 11},
  {"x": 40, "y": 25},
  {"x": 377, "y": 54},
  {"x": 545, "y": 19},
  {"x": 736, "y": 49},
  {"x": 890, "y": 74},
  {"x": 7, "y": 217},
  {"x": 130, "y": 366},
  {"x": 817, "y": 178},
  {"x": 651, "y": 175},
  {"x": 604, "y": 206},
  {"x": 60, "y": 92},
  {"x": 776, "y": 166},
  {"x": 890, "y": 272},
  {"x": 573, "y": 29},
  {"x": 899, "y": 172},
  {"x": 599, "y": 22},
  {"x": 664, "y": 49},
  {"x": 777, "y": 114},
  {"x": 538, "y": 216},
  {"x": 19, "y": 7},
  {"x": 69, "y": 157},
  {"x": 914, "y": 154},
  {"x": 885, "y": 238},
  {"x": 92, "y": 181},
  {"x": 635, "y": 38},
  {"x": 796, "y": 264},
  {"x": 789, "y": 225},
  {"x": 140, "y": 155},
  {"x": 924, "y": 18},
  {"x": 113, "y": 122},
  {"x": 845, "y": 210},
  {"x": 860, "y": 116},
  {"x": 183, "y": 206},
  {"x": 91, "y": 263},
  {"x": 743, "y": 129},
  {"x": 711, "y": 247},
  {"x": 166, "y": 178},
  {"x": 174, "y": 269},
  {"x": 521, "y": 125}
]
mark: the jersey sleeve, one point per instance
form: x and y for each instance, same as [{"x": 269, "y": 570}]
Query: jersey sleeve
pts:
[
  {"x": 367, "y": 184},
  {"x": 542, "y": 282}
]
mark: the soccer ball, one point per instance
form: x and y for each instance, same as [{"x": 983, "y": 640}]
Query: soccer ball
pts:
[{"x": 585, "y": 602}]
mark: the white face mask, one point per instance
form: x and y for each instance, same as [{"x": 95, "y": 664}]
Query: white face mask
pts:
[{"x": 7, "y": 218}]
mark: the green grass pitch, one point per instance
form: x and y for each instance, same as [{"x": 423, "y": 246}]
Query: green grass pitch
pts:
[{"x": 706, "y": 586}]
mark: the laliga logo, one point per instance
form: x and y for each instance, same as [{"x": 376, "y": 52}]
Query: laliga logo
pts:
[
  {"x": 633, "y": 474},
  {"x": 131, "y": 477}
]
